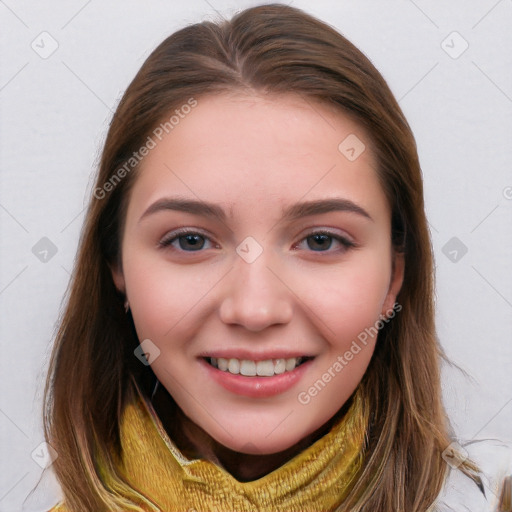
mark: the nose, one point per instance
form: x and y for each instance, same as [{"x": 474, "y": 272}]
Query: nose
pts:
[{"x": 255, "y": 296}]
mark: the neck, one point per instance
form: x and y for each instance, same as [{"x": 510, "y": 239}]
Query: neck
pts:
[{"x": 196, "y": 443}]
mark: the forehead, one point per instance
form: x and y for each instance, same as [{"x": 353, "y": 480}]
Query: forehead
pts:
[{"x": 237, "y": 148}]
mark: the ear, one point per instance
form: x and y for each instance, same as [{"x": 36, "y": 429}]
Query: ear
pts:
[
  {"x": 397, "y": 278},
  {"x": 118, "y": 278}
]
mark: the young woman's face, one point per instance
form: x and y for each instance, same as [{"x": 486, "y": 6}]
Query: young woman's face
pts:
[{"x": 251, "y": 239}]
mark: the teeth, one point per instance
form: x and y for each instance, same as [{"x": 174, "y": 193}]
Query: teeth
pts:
[
  {"x": 290, "y": 364},
  {"x": 234, "y": 366},
  {"x": 248, "y": 368},
  {"x": 265, "y": 368},
  {"x": 280, "y": 366}
]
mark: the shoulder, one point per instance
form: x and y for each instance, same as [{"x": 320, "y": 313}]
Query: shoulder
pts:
[{"x": 494, "y": 458}]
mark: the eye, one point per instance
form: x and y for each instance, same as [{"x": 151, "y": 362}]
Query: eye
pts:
[
  {"x": 322, "y": 241},
  {"x": 193, "y": 241},
  {"x": 184, "y": 240}
]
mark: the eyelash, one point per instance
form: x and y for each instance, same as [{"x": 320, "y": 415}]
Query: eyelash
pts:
[{"x": 167, "y": 241}]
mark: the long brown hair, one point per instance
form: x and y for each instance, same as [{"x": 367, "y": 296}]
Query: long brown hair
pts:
[{"x": 93, "y": 371}]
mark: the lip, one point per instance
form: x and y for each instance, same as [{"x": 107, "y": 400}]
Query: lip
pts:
[
  {"x": 256, "y": 387},
  {"x": 254, "y": 356}
]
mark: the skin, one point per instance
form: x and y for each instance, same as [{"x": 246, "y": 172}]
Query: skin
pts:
[{"x": 254, "y": 155}]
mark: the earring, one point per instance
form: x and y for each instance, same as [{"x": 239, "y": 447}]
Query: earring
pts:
[{"x": 126, "y": 306}]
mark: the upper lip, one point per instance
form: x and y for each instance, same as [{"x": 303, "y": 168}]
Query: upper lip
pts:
[{"x": 254, "y": 356}]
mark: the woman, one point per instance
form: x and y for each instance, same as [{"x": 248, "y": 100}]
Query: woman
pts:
[{"x": 250, "y": 324}]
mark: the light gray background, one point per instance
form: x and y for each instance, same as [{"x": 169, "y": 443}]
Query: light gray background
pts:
[{"x": 54, "y": 116}]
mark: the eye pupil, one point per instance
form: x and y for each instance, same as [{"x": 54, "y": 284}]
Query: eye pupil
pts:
[
  {"x": 195, "y": 241},
  {"x": 323, "y": 241}
]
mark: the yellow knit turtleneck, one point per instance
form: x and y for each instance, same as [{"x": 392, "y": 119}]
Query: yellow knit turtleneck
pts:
[{"x": 315, "y": 480}]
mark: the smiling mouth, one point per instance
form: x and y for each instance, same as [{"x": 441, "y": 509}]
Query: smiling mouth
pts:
[{"x": 248, "y": 368}]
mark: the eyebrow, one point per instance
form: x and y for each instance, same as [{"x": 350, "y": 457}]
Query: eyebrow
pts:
[{"x": 293, "y": 212}]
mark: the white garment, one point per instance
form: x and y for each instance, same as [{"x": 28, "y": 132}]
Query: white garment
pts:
[{"x": 461, "y": 494}]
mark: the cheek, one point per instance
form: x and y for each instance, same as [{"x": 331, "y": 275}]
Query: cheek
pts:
[
  {"x": 348, "y": 300},
  {"x": 347, "y": 308},
  {"x": 162, "y": 295}
]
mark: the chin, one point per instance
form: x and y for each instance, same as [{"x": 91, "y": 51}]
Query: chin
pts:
[{"x": 258, "y": 443}]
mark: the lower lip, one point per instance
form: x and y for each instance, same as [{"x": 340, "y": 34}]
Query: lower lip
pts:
[{"x": 257, "y": 387}]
